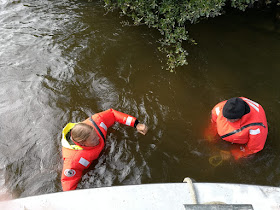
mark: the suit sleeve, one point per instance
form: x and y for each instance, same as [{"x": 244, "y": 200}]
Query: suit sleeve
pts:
[
  {"x": 111, "y": 116},
  {"x": 215, "y": 112},
  {"x": 70, "y": 177},
  {"x": 211, "y": 130},
  {"x": 257, "y": 138}
]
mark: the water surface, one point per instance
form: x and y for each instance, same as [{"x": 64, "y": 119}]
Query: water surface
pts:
[{"x": 62, "y": 61}]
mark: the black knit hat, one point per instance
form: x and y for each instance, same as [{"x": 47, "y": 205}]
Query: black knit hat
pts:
[{"x": 235, "y": 108}]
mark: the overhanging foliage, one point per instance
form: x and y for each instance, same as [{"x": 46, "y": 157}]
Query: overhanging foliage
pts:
[{"x": 171, "y": 17}]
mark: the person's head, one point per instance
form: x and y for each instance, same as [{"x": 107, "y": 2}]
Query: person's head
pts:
[
  {"x": 235, "y": 108},
  {"x": 84, "y": 135}
]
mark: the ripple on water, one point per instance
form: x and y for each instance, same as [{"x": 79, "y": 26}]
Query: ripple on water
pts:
[{"x": 61, "y": 61}]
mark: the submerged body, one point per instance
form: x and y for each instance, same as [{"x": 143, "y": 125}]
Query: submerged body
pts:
[
  {"x": 76, "y": 157},
  {"x": 250, "y": 131}
]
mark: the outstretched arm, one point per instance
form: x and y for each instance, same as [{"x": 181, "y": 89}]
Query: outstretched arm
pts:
[{"x": 111, "y": 116}]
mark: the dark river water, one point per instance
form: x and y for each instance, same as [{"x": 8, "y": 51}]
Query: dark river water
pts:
[{"x": 61, "y": 61}]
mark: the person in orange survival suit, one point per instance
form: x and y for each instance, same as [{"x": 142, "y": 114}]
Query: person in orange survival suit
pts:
[
  {"x": 82, "y": 143},
  {"x": 241, "y": 121}
]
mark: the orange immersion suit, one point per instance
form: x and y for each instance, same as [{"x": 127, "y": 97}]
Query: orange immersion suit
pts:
[
  {"x": 77, "y": 158},
  {"x": 250, "y": 131}
]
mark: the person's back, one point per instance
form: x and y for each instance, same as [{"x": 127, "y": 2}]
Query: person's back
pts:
[{"x": 241, "y": 121}]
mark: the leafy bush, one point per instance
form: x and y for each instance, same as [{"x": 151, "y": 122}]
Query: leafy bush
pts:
[{"x": 171, "y": 17}]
